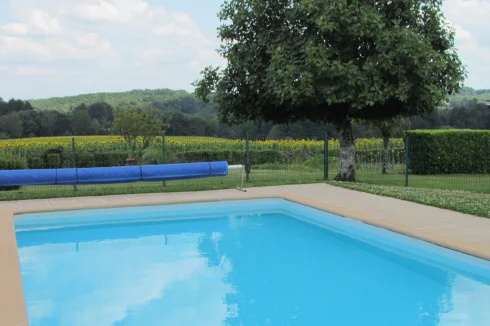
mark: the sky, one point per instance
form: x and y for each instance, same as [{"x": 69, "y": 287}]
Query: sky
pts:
[{"x": 69, "y": 47}]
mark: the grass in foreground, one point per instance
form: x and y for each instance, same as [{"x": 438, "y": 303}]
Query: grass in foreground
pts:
[
  {"x": 258, "y": 178},
  {"x": 456, "y": 200}
]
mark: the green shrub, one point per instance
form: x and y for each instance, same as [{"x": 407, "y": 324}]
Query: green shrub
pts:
[
  {"x": 110, "y": 159},
  {"x": 315, "y": 162},
  {"x": 270, "y": 156},
  {"x": 85, "y": 160},
  {"x": 395, "y": 156},
  {"x": 208, "y": 156},
  {"x": 53, "y": 161},
  {"x": 54, "y": 150},
  {"x": 232, "y": 157},
  {"x": 11, "y": 162},
  {"x": 449, "y": 151},
  {"x": 66, "y": 160},
  {"x": 36, "y": 162},
  {"x": 152, "y": 155}
]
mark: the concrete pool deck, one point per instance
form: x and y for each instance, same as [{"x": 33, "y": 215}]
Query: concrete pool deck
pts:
[{"x": 457, "y": 231}]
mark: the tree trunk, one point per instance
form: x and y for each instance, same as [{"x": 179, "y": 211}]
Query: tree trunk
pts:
[
  {"x": 347, "y": 169},
  {"x": 386, "y": 143}
]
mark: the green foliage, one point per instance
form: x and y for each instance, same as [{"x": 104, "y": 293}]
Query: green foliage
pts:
[
  {"x": 152, "y": 155},
  {"x": 11, "y": 162},
  {"x": 315, "y": 162},
  {"x": 449, "y": 151},
  {"x": 383, "y": 59},
  {"x": 165, "y": 100},
  {"x": 133, "y": 123},
  {"x": 232, "y": 157},
  {"x": 36, "y": 161},
  {"x": 395, "y": 156},
  {"x": 85, "y": 160},
  {"x": 110, "y": 159},
  {"x": 53, "y": 161},
  {"x": 468, "y": 94}
]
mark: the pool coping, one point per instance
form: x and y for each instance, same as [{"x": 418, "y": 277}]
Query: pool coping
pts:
[{"x": 12, "y": 304}]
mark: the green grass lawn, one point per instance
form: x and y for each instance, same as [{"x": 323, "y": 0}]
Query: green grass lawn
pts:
[
  {"x": 463, "y": 193},
  {"x": 456, "y": 200},
  {"x": 258, "y": 178}
]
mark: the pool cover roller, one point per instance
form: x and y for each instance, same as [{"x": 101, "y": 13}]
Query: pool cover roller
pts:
[{"x": 121, "y": 174}]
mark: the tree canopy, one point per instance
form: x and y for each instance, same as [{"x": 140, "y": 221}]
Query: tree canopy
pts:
[
  {"x": 331, "y": 60},
  {"x": 328, "y": 60}
]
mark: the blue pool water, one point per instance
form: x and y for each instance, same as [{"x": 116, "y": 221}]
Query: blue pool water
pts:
[{"x": 257, "y": 262}]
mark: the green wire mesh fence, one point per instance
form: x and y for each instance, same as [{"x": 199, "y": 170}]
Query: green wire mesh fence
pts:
[{"x": 267, "y": 162}]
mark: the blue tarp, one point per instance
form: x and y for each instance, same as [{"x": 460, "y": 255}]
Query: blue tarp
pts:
[
  {"x": 27, "y": 177},
  {"x": 184, "y": 171},
  {"x": 66, "y": 176},
  {"x": 109, "y": 175},
  {"x": 121, "y": 174}
]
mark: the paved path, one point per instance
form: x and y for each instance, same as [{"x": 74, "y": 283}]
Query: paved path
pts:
[{"x": 465, "y": 233}]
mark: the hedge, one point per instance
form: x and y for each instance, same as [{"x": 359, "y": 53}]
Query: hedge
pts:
[
  {"x": 10, "y": 162},
  {"x": 231, "y": 156},
  {"x": 258, "y": 157},
  {"x": 395, "y": 156},
  {"x": 82, "y": 160},
  {"x": 448, "y": 151}
]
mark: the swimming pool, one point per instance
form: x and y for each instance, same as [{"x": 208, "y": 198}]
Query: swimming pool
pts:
[{"x": 250, "y": 262}]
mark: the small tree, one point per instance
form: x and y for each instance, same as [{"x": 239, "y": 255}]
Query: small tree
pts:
[
  {"x": 388, "y": 128},
  {"x": 332, "y": 61},
  {"x": 133, "y": 123}
]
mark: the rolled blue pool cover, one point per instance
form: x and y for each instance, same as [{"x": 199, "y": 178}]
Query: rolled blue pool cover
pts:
[
  {"x": 219, "y": 169},
  {"x": 183, "y": 171},
  {"x": 27, "y": 177},
  {"x": 66, "y": 177},
  {"x": 122, "y": 174},
  {"x": 109, "y": 175}
]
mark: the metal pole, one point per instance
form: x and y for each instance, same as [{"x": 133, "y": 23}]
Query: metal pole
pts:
[
  {"x": 325, "y": 157},
  {"x": 73, "y": 158},
  {"x": 241, "y": 179},
  {"x": 406, "y": 160},
  {"x": 247, "y": 160},
  {"x": 164, "y": 157}
]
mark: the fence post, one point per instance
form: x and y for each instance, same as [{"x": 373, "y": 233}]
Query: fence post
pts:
[
  {"x": 406, "y": 160},
  {"x": 73, "y": 158},
  {"x": 325, "y": 157},
  {"x": 164, "y": 156},
  {"x": 247, "y": 159}
]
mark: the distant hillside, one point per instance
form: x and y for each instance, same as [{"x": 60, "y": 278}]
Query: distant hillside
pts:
[
  {"x": 468, "y": 94},
  {"x": 163, "y": 99}
]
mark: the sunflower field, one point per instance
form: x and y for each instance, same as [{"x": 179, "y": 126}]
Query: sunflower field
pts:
[{"x": 178, "y": 144}]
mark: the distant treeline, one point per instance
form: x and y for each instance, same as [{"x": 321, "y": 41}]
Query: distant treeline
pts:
[
  {"x": 468, "y": 94},
  {"x": 18, "y": 119}
]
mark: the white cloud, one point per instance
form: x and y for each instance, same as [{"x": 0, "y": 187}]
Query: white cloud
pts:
[
  {"x": 462, "y": 34},
  {"x": 13, "y": 47},
  {"x": 32, "y": 70},
  {"x": 115, "y": 11},
  {"x": 44, "y": 23},
  {"x": 114, "y": 44},
  {"x": 470, "y": 20},
  {"x": 14, "y": 29}
]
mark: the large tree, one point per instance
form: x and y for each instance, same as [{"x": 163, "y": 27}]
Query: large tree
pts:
[{"x": 332, "y": 61}]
